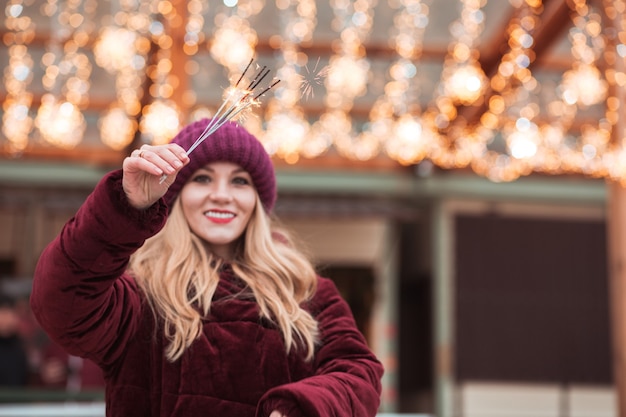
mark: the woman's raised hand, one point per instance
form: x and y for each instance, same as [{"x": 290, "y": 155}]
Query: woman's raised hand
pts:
[{"x": 144, "y": 170}]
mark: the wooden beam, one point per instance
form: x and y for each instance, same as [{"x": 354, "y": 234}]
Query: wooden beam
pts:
[
  {"x": 616, "y": 231},
  {"x": 175, "y": 27}
]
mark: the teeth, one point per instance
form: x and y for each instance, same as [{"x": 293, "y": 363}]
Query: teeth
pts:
[{"x": 220, "y": 215}]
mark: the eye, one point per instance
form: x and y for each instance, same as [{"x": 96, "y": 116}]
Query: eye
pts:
[
  {"x": 202, "y": 179},
  {"x": 241, "y": 181}
]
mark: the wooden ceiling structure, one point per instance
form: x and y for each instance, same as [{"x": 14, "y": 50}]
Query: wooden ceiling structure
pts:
[{"x": 551, "y": 32}]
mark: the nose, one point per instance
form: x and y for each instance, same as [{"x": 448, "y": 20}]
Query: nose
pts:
[{"x": 221, "y": 191}]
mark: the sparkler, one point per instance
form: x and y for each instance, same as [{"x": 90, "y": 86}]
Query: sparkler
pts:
[
  {"x": 312, "y": 77},
  {"x": 236, "y": 100}
]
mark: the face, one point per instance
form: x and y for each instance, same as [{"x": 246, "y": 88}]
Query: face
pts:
[
  {"x": 218, "y": 201},
  {"x": 9, "y": 321}
]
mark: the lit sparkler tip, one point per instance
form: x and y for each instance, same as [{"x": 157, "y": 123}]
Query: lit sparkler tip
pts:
[
  {"x": 234, "y": 93},
  {"x": 237, "y": 103}
]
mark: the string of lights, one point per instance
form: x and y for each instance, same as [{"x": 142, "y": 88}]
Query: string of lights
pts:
[
  {"x": 284, "y": 111},
  {"x": 17, "y": 122},
  {"x": 524, "y": 126}
]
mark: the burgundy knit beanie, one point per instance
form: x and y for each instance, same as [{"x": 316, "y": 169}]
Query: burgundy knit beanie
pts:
[{"x": 230, "y": 143}]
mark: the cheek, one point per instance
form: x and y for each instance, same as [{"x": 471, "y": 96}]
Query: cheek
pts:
[
  {"x": 188, "y": 201},
  {"x": 250, "y": 202}
]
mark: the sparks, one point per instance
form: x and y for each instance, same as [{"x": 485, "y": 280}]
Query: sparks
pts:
[
  {"x": 236, "y": 101},
  {"x": 312, "y": 78}
]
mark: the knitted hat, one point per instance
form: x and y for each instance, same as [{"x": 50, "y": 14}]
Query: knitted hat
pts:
[{"x": 230, "y": 143}]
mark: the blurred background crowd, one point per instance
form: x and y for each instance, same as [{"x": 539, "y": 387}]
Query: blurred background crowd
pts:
[{"x": 29, "y": 359}]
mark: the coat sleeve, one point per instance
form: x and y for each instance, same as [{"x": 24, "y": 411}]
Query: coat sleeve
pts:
[
  {"x": 347, "y": 379},
  {"x": 80, "y": 294}
]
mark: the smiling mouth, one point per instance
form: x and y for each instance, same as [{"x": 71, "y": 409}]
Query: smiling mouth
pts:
[{"x": 219, "y": 215}]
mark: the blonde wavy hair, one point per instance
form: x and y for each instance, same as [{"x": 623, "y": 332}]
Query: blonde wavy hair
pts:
[{"x": 179, "y": 277}]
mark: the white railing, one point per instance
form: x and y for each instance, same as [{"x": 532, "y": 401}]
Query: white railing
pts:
[
  {"x": 91, "y": 410},
  {"x": 52, "y": 410},
  {"x": 479, "y": 399}
]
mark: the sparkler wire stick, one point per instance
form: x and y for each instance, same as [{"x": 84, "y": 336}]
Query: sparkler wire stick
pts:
[
  {"x": 237, "y": 100},
  {"x": 256, "y": 79},
  {"x": 204, "y": 134},
  {"x": 266, "y": 90},
  {"x": 213, "y": 129},
  {"x": 244, "y": 72}
]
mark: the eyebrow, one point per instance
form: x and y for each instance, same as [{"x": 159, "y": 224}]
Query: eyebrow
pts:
[{"x": 236, "y": 171}]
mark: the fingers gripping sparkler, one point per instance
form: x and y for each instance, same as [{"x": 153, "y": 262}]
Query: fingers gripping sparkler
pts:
[{"x": 236, "y": 100}]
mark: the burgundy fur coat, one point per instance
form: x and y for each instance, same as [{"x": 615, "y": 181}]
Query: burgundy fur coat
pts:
[{"x": 237, "y": 368}]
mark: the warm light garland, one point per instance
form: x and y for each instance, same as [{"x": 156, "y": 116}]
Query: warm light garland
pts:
[
  {"x": 284, "y": 113},
  {"x": 234, "y": 40},
  {"x": 16, "y": 119},
  {"x": 160, "y": 122},
  {"x": 463, "y": 79},
  {"x": 515, "y": 135},
  {"x": 396, "y": 122},
  {"x": 122, "y": 50},
  {"x": 61, "y": 123},
  {"x": 348, "y": 74},
  {"x": 67, "y": 77}
]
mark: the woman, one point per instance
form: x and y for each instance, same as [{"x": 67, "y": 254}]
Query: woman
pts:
[{"x": 190, "y": 300}]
